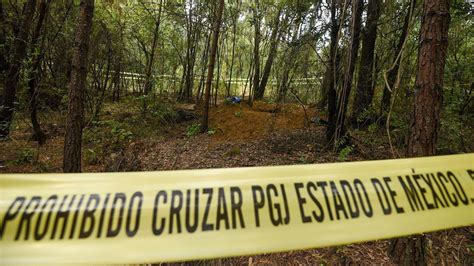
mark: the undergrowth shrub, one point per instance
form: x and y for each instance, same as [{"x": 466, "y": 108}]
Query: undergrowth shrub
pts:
[
  {"x": 456, "y": 132},
  {"x": 193, "y": 129},
  {"x": 103, "y": 138},
  {"x": 344, "y": 153},
  {"x": 161, "y": 110},
  {"x": 26, "y": 155}
]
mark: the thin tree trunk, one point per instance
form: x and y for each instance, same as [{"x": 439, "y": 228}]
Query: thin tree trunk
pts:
[
  {"x": 192, "y": 40},
  {"x": 333, "y": 62},
  {"x": 288, "y": 64},
  {"x": 37, "y": 53},
  {"x": 392, "y": 74},
  {"x": 3, "y": 41},
  {"x": 212, "y": 60},
  {"x": 248, "y": 80},
  {"x": 117, "y": 81},
  {"x": 203, "y": 70},
  {"x": 234, "y": 37},
  {"x": 357, "y": 7},
  {"x": 425, "y": 121},
  {"x": 323, "y": 100},
  {"x": 219, "y": 57},
  {"x": 149, "y": 66},
  {"x": 75, "y": 114},
  {"x": 274, "y": 39},
  {"x": 18, "y": 54},
  {"x": 365, "y": 88},
  {"x": 283, "y": 88},
  {"x": 256, "y": 51}
]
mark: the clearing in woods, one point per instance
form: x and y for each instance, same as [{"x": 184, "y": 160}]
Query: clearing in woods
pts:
[{"x": 240, "y": 136}]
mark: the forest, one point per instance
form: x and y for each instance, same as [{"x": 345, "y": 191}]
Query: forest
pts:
[{"x": 149, "y": 85}]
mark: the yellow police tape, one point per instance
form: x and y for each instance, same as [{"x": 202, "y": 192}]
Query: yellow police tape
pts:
[{"x": 198, "y": 214}]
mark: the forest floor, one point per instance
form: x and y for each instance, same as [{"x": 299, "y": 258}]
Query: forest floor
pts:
[{"x": 124, "y": 139}]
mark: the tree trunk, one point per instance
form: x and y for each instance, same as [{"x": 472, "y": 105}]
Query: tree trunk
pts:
[
  {"x": 248, "y": 80},
  {"x": 193, "y": 32},
  {"x": 392, "y": 74},
  {"x": 284, "y": 83},
  {"x": 234, "y": 37},
  {"x": 357, "y": 8},
  {"x": 365, "y": 88},
  {"x": 333, "y": 63},
  {"x": 190, "y": 60},
  {"x": 212, "y": 61},
  {"x": 75, "y": 114},
  {"x": 18, "y": 54},
  {"x": 430, "y": 77},
  {"x": 203, "y": 70},
  {"x": 3, "y": 41},
  {"x": 219, "y": 57},
  {"x": 256, "y": 52},
  {"x": 289, "y": 62},
  {"x": 37, "y": 53},
  {"x": 260, "y": 91},
  {"x": 323, "y": 100},
  {"x": 427, "y": 105},
  {"x": 149, "y": 66}
]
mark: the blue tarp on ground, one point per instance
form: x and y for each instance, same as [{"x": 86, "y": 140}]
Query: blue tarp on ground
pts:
[{"x": 234, "y": 99}]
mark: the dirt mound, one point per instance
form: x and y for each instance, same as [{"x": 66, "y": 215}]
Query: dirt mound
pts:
[{"x": 242, "y": 122}]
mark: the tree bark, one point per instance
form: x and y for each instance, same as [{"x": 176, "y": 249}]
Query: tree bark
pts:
[
  {"x": 193, "y": 32},
  {"x": 333, "y": 63},
  {"x": 18, "y": 54},
  {"x": 220, "y": 51},
  {"x": 274, "y": 39},
  {"x": 37, "y": 52},
  {"x": 149, "y": 65},
  {"x": 323, "y": 100},
  {"x": 3, "y": 41},
  {"x": 365, "y": 88},
  {"x": 288, "y": 63},
  {"x": 212, "y": 61},
  {"x": 256, "y": 52},
  {"x": 430, "y": 78},
  {"x": 203, "y": 69},
  {"x": 75, "y": 114},
  {"x": 234, "y": 38},
  {"x": 427, "y": 105},
  {"x": 340, "y": 130}
]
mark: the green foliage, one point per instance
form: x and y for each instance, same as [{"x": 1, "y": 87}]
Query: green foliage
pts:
[
  {"x": 344, "y": 153},
  {"x": 26, "y": 155},
  {"x": 454, "y": 135},
  {"x": 91, "y": 156},
  {"x": 211, "y": 132},
  {"x": 193, "y": 129},
  {"x": 159, "y": 110},
  {"x": 227, "y": 101},
  {"x": 372, "y": 128},
  {"x": 238, "y": 114},
  {"x": 120, "y": 134},
  {"x": 103, "y": 138},
  {"x": 370, "y": 137},
  {"x": 364, "y": 116}
]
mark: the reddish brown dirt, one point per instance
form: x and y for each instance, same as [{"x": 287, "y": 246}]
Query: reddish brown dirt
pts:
[{"x": 240, "y": 122}]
